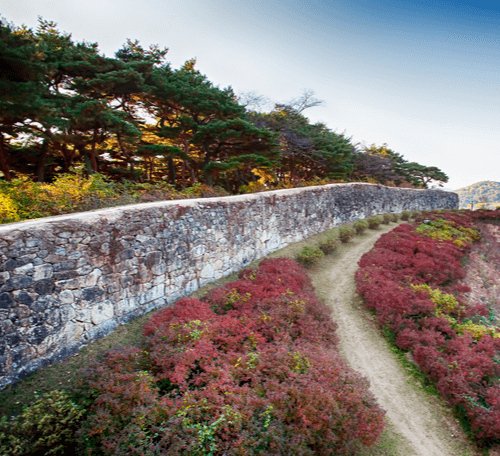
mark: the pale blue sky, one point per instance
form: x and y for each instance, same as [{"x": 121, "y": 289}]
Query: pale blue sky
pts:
[{"x": 422, "y": 77}]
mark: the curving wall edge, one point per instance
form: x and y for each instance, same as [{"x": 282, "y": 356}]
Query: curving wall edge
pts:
[{"x": 68, "y": 280}]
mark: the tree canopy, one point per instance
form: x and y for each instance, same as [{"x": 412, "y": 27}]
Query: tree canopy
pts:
[
  {"x": 384, "y": 165},
  {"x": 132, "y": 116}
]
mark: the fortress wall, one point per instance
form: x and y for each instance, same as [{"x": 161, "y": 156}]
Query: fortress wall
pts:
[{"x": 68, "y": 280}]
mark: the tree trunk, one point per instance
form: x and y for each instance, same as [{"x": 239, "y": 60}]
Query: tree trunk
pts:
[
  {"x": 127, "y": 156},
  {"x": 68, "y": 156},
  {"x": 93, "y": 158},
  {"x": 86, "y": 161},
  {"x": 171, "y": 170},
  {"x": 183, "y": 174},
  {"x": 44, "y": 151},
  {"x": 3, "y": 161}
]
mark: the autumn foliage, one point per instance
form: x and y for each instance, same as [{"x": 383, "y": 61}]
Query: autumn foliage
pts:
[
  {"x": 252, "y": 369},
  {"x": 411, "y": 280}
]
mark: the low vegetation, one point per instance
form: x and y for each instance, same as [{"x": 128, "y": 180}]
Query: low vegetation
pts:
[
  {"x": 374, "y": 222},
  {"x": 412, "y": 280},
  {"x": 309, "y": 256},
  {"x": 360, "y": 226},
  {"x": 252, "y": 368},
  {"x": 346, "y": 233}
]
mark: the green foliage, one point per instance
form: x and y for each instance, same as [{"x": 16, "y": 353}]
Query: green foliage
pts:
[
  {"x": 346, "y": 233},
  {"x": 374, "y": 222},
  {"x": 405, "y": 216},
  {"x": 443, "y": 229},
  {"x": 46, "y": 427},
  {"x": 360, "y": 226},
  {"x": 383, "y": 165},
  {"x": 309, "y": 256},
  {"x": 387, "y": 218},
  {"x": 329, "y": 245},
  {"x": 415, "y": 214},
  {"x": 64, "y": 105}
]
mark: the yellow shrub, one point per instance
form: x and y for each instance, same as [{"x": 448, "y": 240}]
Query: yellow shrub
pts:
[
  {"x": 446, "y": 230},
  {"x": 8, "y": 209},
  {"x": 477, "y": 331},
  {"x": 446, "y": 303}
]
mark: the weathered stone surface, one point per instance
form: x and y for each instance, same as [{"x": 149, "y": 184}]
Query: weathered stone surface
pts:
[
  {"x": 43, "y": 287},
  {"x": 16, "y": 283},
  {"x": 43, "y": 271},
  {"x": 68, "y": 280},
  {"x": 26, "y": 269},
  {"x": 22, "y": 297},
  {"x": 102, "y": 312},
  {"x": 6, "y": 300}
]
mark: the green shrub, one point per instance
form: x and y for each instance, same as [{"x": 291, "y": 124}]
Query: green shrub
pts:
[
  {"x": 405, "y": 215},
  {"x": 360, "y": 226},
  {"x": 309, "y": 256},
  {"x": 415, "y": 214},
  {"x": 46, "y": 427},
  {"x": 374, "y": 222},
  {"x": 395, "y": 217},
  {"x": 386, "y": 219},
  {"x": 346, "y": 233},
  {"x": 329, "y": 245}
]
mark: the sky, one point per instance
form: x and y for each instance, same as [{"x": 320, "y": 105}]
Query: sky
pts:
[{"x": 422, "y": 77}]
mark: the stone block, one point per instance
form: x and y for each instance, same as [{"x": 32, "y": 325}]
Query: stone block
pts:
[
  {"x": 16, "y": 283},
  {"x": 92, "y": 278},
  {"x": 6, "y": 300},
  {"x": 71, "y": 284},
  {"x": 83, "y": 314},
  {"x": 67, "y": 313},
  {"x": 66, "y": 297},
  {"x": 4, "y": 276},
  {"x": 154, "y": 293},
  {"x": 102, "y": 312},
  {"x": 102, "y": 330},
  {"x": 207, "y": 272},
  {"x": 126, "y": 306},
  {"x": 33, "y": 242},
  {"x": 26, "y": 269},
  {"x": 36, "y": 335},
  {"x": 43, "y": 271},
  {"x": 22, "y": 297},
  {"x": 91, "y": 294},
  {"x": 64, "y": 265},
  {"x": 43, "y": 287}
]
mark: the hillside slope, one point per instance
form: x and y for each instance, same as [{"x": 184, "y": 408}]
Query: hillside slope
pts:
[{"x": 481, "y": 194}]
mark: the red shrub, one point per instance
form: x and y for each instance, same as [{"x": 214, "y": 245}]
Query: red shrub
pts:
[
  {"x": 465, "y": 370},
  {"x": 259, "y": 375}
]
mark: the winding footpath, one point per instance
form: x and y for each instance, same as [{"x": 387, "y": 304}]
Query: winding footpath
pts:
[{"x": 422, "y": 426}]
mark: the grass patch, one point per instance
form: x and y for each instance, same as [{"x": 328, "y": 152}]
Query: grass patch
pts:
[{"x": 411, "y": 368}]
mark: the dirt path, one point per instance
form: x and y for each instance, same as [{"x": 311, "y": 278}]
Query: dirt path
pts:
[{"x": 422, "y": 426}]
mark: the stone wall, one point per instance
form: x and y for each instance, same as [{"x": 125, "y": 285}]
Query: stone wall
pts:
[{"x": 68, "y": 280}]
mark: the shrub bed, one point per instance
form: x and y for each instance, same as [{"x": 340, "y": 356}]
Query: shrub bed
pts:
[
  {"x": 411, "y": 279},
  {"x": 252, "y": 369}
]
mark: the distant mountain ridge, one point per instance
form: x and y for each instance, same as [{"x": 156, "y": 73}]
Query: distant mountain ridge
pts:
[{"x": 481, "y": 194}]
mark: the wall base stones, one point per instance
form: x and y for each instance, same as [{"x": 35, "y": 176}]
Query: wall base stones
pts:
[{"x": 68, "y": 280}]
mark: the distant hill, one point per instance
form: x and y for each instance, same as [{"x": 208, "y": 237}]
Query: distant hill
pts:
[{"x": 482, "y": 194}]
